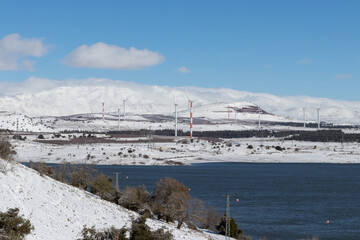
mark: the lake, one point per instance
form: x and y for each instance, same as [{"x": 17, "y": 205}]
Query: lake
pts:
[{"x": 276, "y": 201}]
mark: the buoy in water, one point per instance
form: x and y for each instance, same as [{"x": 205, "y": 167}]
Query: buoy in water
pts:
[
  {"x": 237, "y": 200},
  {"x": 327, "y": 221}
]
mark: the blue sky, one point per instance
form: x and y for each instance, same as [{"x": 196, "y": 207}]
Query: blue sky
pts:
[{"x": 278, "y": 47}]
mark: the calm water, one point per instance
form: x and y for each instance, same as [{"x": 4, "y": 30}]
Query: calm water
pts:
[{"x": 276, "y": 201}]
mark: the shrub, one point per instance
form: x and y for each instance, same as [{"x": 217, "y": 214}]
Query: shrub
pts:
[
  {"x": 13, "y": 226},
  {"x": 278, "y": 148},
  {"x": 169, "y": 200},
  {"x": 42, "y": 168},
  {"x": 102, "y": 185},
  {"x": 107, "y": 234},
  {"x": 41, "y": 136},
  {"x": 211, "y": 219},
  {"x": 133, "y": 198},
  {"x": 250, "y": 147},
  {"x": 140, "y": 231},
  {"x": 81, "y": 176},
  {"x": 234, "y": 231},
  {"x": 5, "y": 150}
]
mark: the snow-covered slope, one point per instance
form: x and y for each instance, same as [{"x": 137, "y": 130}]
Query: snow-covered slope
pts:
[
  {"x": 20, "y": 122},
  {"x": 239, "y": 110},
  {"x": 59, "y": 211},
  {"x": 44, "y": 97}
]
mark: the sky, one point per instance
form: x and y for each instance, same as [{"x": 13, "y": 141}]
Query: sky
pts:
[{"x": 285, "y": 48}]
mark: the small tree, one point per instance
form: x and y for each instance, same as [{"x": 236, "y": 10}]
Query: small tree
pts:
[
  {"x": 169, "y": 200},
  {"x": 81, "y": 176},
  {"x": 211, "y": 219},
  {"x": 102, "y": 185},
  {"x": 195, "y": 213},
  {"x": 133, "y": 198},
  {"x": 13, "y": 226},
  {"x": 234, "y": 231}
]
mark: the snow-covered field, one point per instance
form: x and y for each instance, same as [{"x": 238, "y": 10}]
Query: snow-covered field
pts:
[
  {"x": 60, "y": 211},
  {"x": 141, "y": 151}
]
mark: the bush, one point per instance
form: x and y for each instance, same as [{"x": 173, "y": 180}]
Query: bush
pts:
[
  {"x": 250, "y": 147},
  {"x": 133, "y": 198},
  {"x": 102, "y": 185},
  {"x": 278, "y": 148},
  {"x": 169, "y": 200},
  {"x": 5, "y": 150},
  {"x": 211, "y": 219},
  {"x": 234, "y": 231},
  {"x": 41, "y": 136},
  {"x": 81, "y": 176},
  {"x": 13, "y": 226},
  {"x": 141, "y": 231},
  {"x": 42, "y": 168},
  {"x": 108, "y": 234}
]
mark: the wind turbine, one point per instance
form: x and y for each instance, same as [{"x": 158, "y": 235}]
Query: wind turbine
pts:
[
  {"x": 103, "y": 111},
  {"x": 191, "y": 113},
  {"x": 259, "y": 111},
  {"x": 318, "y": 116},
  {"x": 124, "y": 105},
  {"x": 175, "y": 105},
  {"x": 304, "y": 116},
  {"x": 119, "y": 118}
]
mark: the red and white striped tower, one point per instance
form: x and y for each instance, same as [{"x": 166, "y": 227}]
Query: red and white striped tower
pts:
[
  {"x": 103, "y": 112},
  {"x": 191, "y": 119},
  {"x": 228, "y": 113}
]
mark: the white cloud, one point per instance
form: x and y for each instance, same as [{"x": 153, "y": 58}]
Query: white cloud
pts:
[
  {"x": 343, "y": 76},
  {"x": 304, "y": 61},
  {"x": 183, "y": 69},
  {"x": 14, "y": 48},
  {"x": 101, "y": 55}
]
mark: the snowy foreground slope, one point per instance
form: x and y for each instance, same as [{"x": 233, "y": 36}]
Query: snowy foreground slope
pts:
[
  {"x": 59, "y": 211},
  {"x": 45, "y": 97}
]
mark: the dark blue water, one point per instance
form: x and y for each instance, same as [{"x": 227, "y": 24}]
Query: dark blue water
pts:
[{"x": 276, "y": 201}]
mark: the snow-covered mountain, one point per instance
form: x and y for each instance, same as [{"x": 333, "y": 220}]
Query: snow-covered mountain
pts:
[{"x": 44, "y": 97}]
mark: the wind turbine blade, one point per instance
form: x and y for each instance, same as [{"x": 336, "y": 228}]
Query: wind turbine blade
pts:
[{"x": 187, "y": 94}]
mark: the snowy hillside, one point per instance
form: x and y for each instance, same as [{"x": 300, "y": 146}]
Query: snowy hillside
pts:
[
  {"x": 44, "y": 97},
  {"x": 59, "y": 211}
]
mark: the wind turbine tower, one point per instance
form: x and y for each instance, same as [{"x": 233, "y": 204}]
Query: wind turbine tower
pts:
[
  {"x": 259, "y": 111},
  {"x": 228, "y": 113},
  {"x": 103, "y": 111},
  {"x": 175, "y": 105},
  {"x": 124, "y": 104},
  {"x": 191, "y": 113},
  {"x": 119, "y": 119},
  {"x": 318, "y": 116},
  {"x": 191, "y": 118},
  {"x": 304, "y": 116}
]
